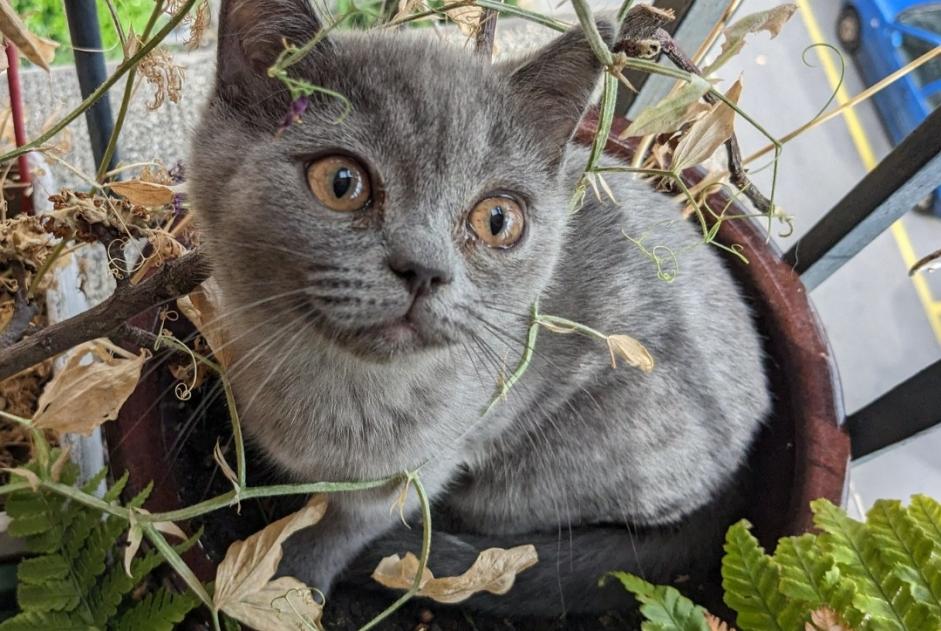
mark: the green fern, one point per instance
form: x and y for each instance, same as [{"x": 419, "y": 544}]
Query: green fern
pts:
[
  {"x": 877, "y": 576},
  {"x": 78, "y": 581},
  {"x": 663, "y": 606},
  {"x": 750, "y": 579}
]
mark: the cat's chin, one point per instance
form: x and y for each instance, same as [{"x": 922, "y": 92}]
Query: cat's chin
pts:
[{"x": 391, "y": 340}]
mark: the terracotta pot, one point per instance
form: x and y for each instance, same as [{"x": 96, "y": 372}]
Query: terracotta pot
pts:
[{"x": 801, "y": 455}]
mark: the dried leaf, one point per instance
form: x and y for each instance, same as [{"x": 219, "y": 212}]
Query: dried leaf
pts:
[
  {"x": 715, "y": 624},
  {"x": 631, "y": 351},
  {"x": 708, "y": 133},
  {"x": 142, "y": 193},
  {"x": 227, "y": 471},
  {"x": 929, "y": 263},
  {"x": 494, "y": 571},
  {"x": 772, "y": 20},
  {"x": 134, "y": 537},
  {"x": 467, "y": 19},
  {"x": 23, "y": 239},
  {"x": 166, "y": 77},
  {"x": 82, "y": 397},
  {"x": 55, "y": 472},
  {"x": 825, "y": 619},
  {"x": 25, "y": 473},
  {"x": 249, "y": 565},
  {"x": 285, "y": 604},
  {"x": 38, "y": 50},
  {"x": 670, "y": 113},
  {"x": 202, "y": 307}
]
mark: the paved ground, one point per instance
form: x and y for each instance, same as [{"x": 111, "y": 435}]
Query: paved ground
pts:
[{"x": 883, "y": 327}]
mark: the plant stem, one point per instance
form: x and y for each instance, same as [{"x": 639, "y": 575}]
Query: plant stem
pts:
[
  {"x": 101, "y": 90},
  {"x": 422, "y": 559},
  {"x": 590, "y": 28},
  {"x": 126, "y": 98},
  {"x": 179, "y": 565},
  {"x": 46, "y": 264},
  {"x": 524, "y": 360}
]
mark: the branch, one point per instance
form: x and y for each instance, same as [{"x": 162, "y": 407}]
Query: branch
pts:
[
  {"x": 176, "y": 278},
  {"x": 23, "y": 311},
  {"x": 737, "y": 172},
  {"x": 486, "y": 33}
]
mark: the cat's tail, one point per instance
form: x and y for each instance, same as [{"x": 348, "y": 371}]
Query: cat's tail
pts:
[{"x": 571, "y": 562}]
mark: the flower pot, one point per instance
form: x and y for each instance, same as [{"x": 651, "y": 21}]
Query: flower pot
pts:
[{"x": 801, "y": 454}]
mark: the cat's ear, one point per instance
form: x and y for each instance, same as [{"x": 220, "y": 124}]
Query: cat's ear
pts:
[
  {"x": 252, "y": 33},
  {"x": 556, "y": 83}
]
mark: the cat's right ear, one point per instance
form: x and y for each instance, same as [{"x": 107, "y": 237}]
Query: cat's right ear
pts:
[
  {"x": 556, "y": 84},
  {"x": 252, "y": 33}
]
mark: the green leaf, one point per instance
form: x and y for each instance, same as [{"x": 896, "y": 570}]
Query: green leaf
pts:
[
  {"x": 807, "y": 574},
  {"x": 38, "y": 570},
  {"x": 36, "y": 621},
  {"x": 750, "y": 579},
  {"x": 926, "y": 512},
  {"x": 665, "y": 608},
  {"x": 95, "y": 481},
  {"x": 158, "y": 611},
  {"x": 54, "y": 595},
  {"x": 909, "y": 552},
  {"x": 880, "y": 593},
  {"x": 31, "y": 524}
]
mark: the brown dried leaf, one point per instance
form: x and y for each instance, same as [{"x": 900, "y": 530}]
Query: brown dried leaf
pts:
[
  {"x": 631, "y": 351},
  {"x": 771, "y": 20},
  {"x": 669, "y": 114},
  {"x": 142, "y": 193},
  {"x": 708, "y": 133},
  {"x": 249, "y": 565},
  {"x": 38, "y": 50},
  {"x": 467, "y": 19},
  {"x": 82, "y": 397},
  {"x": 494, "y": 571},
  {"x": 26, "y": 474},
  {"x": 55, "y": 472},
  {"x": 285, "y": 604},
  {"x": 928, "y": 263},
  {"x": 202, "y": 307},
  {"x": 166, "y": 77},
  {"x": 825, "y": 619},
  {"x": 715, "y": 624},
  {"x": 23, "y": 239}
]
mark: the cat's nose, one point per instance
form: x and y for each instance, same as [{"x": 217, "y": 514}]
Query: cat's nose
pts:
[{"x": 418, "y": 277}]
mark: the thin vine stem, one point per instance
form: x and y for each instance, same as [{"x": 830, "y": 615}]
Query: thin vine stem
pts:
[
  {"x": 422, "y": 559},
  {"x": 178, "y": 564},
  {"x": 126, "y": 97}
]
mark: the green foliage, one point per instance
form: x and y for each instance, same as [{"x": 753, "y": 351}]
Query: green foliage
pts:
[
  {"x": 47, "y": 19},
  {"x": 881, "y": 575},
  {"x": 77, "y": 581},
  {"x": 663, "y": 606}
]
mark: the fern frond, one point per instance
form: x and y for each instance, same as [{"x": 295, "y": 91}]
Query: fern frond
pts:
[
  {"x": 807, "y": 573},
  {"x": 37, "y": 570},
  {"x": 158, "y": 611},
  {"x": 665, "y": 608},
  {"x": 35, "y": 621},
  {"x": 926, "y": 512},
  {"x": 750, "y": 579},
  {"x": 880, "y": 592},
  {"x": 908, "y": 551},
  {"x": 110, "y": 590}
]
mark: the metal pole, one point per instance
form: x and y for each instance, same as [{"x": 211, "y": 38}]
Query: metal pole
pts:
[{"x": 90, "y": 66}]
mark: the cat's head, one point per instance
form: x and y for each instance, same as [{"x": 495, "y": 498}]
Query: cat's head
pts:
[{"x": 429, "y": 210}]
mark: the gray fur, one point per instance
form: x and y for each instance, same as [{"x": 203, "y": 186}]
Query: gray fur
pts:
[{"x": 577, "y": 443}]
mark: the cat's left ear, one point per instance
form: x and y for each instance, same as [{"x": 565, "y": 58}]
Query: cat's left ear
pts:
[
  {"x": 556, "y": 84},
  {"x": 252, "y": 33}
]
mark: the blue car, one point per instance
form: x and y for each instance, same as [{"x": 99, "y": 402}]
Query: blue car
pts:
[{"x": 883, "y": 36}]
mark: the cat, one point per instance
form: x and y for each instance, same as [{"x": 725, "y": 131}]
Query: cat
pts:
[{"x": 378, "y": 264}]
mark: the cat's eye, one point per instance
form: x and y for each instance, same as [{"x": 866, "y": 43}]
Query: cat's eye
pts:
[
  {"x": 340, "y": 183},
  {"x": 497, "y": 221}
]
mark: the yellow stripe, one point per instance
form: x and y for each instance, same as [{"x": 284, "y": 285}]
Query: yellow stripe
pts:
[{"x": 931, "y": 307}]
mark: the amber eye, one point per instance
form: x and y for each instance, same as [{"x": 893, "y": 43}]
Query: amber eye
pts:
[
  {"x": 497, "y": 221},
  {"x": 339, "y": 183}
]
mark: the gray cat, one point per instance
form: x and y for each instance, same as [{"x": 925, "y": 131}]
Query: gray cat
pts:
[{"x": 379, "y": 271}]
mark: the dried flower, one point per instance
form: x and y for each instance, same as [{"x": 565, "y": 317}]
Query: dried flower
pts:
[
  {"x": 166, "y": 77},
  {"x": 631, "y": 351},
  {"x": 294, "y": 113}
]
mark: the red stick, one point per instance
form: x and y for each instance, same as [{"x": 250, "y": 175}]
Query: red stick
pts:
[{"x": 19, "y": 128}]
